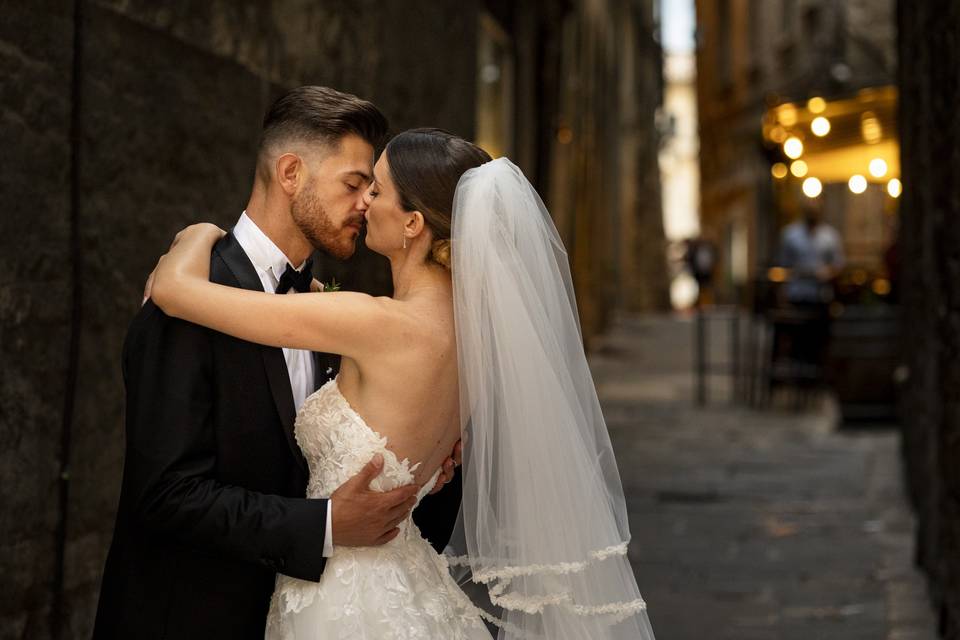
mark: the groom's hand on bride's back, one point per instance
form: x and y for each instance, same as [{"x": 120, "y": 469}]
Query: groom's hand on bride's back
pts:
[
  {"x": 449, "y": 467},
  {"x": 365, "y": 518}
]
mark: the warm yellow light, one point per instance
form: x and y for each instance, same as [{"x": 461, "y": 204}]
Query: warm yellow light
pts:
[
  {"x": 787, "y": 115},
  {"x": 857, "y": 183},
  {"x": 881, "y": 286},
  {"x": 812, "y": 187},
  {"x": 894, "y": 188},
  {"x": 878, "y": 167},
  {"x": 870, "y": 127},
  {"x": 793, "y": 148},
  {"x": 777, "y": 274},
  {"x": 820, "y": 126},
  {"x": 778, "y": 134},
  {"x": 779, "y": 170},
  {"x": 816, "y": 104},
  {"x": 798, "y": 168}
]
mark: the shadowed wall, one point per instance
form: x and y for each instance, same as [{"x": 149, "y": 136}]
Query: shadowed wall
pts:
[{"x": 167, "y": 107}]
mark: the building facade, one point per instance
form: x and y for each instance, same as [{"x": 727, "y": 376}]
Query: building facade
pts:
[
  {"x": 758, "y": 61},
  {"x": 680, "y": 172},
  {"x": 589, "y": 86}
]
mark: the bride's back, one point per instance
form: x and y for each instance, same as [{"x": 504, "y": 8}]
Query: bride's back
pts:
[
  {"x": 408, "y": 391},
  {"x": 406, "y": 386}
]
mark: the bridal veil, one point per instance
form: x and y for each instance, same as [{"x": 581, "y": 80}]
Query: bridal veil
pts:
[{"x": 543, "y": 524}]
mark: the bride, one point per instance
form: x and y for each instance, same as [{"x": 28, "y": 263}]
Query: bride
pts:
[{"x": 480, "y": 341}]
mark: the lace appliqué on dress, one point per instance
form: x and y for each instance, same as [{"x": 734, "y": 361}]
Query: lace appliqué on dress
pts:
[{"x": 401, "y": 590}]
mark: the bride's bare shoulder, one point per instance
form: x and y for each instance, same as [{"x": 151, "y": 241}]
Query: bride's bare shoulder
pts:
[
  {"x": 422, "y": 319},
  {"x": 391, "y": 314}
]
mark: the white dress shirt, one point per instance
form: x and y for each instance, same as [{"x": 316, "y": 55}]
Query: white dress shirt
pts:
[{"x": 270, "y": 263}]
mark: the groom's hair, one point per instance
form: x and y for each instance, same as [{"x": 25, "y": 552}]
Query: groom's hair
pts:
[{"x": 318, "y": 115}]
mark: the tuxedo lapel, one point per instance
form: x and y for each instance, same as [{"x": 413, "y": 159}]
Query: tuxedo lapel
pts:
[{"x": 274, "y": 364}]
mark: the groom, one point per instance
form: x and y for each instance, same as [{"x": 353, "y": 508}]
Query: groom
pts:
[{"x": 212, "y": 503}]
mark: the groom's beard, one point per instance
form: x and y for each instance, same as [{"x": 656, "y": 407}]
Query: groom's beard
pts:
[{"x": 311, "y": 218}]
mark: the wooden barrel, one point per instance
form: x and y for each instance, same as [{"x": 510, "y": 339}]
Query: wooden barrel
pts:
[{"x": 862, "y": 357}]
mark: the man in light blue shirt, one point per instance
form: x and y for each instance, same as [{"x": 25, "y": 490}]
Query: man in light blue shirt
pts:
[{"x": 813, "y": 252}]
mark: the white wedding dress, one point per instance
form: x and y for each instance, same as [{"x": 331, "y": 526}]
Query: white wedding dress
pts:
[
  {"x": 542, "y": 532},
  {"x": 401, "y": 590}
]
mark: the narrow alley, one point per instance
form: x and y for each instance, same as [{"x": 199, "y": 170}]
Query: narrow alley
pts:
[{"x": 754, "y": 525}]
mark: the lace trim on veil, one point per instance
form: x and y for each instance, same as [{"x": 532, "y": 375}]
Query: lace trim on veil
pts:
[{"x": 529, "y": 604}]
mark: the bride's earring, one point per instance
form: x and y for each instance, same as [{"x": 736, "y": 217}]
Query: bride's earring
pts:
[{"x": 404, "y": 241}]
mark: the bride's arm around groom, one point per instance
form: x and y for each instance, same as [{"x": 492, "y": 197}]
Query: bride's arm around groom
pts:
[{"x": 212, "y": 502}]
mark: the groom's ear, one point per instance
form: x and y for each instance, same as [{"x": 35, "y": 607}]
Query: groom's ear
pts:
[{"x": 289, "y": 168}]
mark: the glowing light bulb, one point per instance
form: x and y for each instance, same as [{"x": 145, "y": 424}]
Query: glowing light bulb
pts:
[
  {"x": 793, "y": 148},
  {"x": 857, "y": 183},
  {"x": 820, "y": 126},
  {"x": 812, "y": 187},
  {"x": 816, "y": 104},
  {"x": 798, "y": 168},
  {"x": 787, "y": 114},
  {"x": 881, "y": 286},
  {"x": 894, "y": 188},
  {"x": 779, "y": 170},
  {"x": 870, "y": 127},
  {"x": 777, "y": 274},
  {"x": 878, "y": 168}
]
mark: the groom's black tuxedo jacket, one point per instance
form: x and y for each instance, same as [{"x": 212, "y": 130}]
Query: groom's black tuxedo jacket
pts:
[{"x": 212, "y": 502}]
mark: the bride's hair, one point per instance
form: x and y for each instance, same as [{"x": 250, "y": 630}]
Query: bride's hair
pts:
[{"x": 426, "y": 165}]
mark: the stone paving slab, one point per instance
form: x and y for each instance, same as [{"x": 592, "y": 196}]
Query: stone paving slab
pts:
[{"x": 754, "y": 524}]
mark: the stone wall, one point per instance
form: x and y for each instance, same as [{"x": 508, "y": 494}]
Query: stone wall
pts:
[
  {"x": 125, "y": 120},
  {"x": 930, "y": 276},
  {"x": 169, "y": 102},
  {"x": 35, "y": 301}
]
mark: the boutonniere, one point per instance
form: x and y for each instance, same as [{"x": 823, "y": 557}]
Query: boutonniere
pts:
[{"x": 333, "y": 285}]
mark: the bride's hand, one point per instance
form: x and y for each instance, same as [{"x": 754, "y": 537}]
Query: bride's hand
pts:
[{"x": 189, "y": 254}]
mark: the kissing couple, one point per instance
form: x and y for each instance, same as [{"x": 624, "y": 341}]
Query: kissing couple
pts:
[{"x": 279, "y": 438}]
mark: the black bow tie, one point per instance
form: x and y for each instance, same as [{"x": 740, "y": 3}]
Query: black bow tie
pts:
[{"x": 297, "y": 280}]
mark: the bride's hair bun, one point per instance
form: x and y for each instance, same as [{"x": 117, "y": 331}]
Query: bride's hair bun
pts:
[
  {"x": 440, "y": 252},
  {"x": 426, "y": 165}
]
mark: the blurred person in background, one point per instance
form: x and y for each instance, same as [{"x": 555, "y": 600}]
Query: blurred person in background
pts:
[
  {"x": 701, "y": 259},
  {"x": 812, "y": 252}
]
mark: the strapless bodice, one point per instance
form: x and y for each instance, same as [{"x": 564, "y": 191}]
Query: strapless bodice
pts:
[
  {"x": 396, "y": 591},
  {"x": 337, "y": 443}
]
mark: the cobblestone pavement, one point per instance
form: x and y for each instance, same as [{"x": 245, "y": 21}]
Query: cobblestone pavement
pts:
[{"x": 754, "y": 524}]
